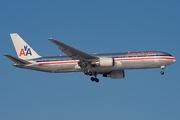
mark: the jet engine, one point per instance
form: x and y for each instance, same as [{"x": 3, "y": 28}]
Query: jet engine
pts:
[
  {"x": 104, "y": 62},
  {"x": 115, "y": 74}
]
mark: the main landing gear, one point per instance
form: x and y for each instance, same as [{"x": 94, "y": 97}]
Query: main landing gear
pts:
[
  {"x": 93, "y": 79},
  {"x": 162, "y": 70}
]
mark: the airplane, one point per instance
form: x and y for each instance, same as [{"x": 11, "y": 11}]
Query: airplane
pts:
[{"x": 111, "y": 65}]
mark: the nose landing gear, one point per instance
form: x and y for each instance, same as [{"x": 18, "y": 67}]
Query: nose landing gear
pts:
[{"x": 162, "y": 70}]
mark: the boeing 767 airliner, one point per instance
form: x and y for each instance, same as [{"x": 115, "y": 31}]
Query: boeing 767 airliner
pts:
[{"x": 110, "y": 65}]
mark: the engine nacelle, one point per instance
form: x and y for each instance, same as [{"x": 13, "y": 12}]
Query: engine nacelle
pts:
[
  {"x": 105, "y": 62},
  {"x": 115, "y": 74}
]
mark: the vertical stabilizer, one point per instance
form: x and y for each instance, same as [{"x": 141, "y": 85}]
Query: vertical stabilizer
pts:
[{"x": 23, "y": 50}]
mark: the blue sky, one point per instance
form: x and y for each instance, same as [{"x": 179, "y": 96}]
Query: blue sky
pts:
[{"x": 96, "y": 26}]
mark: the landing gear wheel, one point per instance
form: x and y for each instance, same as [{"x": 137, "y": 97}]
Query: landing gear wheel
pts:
[
  {"x": 162, "y": 72},
  {"x": 94, "y": 79},
  {"x": 87, "y": 72},
  {"x": 97, "y": 80}
]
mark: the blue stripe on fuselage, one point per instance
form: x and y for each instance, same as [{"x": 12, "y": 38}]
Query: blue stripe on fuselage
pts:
[{"x": 112, "y": 55}]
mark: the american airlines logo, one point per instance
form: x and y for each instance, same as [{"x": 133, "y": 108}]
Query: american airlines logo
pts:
[{"x": 25, "y": 51}]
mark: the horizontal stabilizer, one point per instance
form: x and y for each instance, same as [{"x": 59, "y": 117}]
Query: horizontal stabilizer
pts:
[{"x": 17, "y": 60}]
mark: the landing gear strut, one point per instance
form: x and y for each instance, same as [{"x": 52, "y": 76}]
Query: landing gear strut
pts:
[{"x": 162, "y": 71}]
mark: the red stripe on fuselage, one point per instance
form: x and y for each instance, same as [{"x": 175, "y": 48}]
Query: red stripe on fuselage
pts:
[
  {"x": 116, "y": 59},
  {"x": 148, "y": 58}
]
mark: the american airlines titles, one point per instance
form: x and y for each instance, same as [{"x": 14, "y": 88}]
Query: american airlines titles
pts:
[{"x": 140, "y": 54}]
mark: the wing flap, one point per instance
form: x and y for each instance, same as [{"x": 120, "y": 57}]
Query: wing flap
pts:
[{"x": 72, "y": 52}]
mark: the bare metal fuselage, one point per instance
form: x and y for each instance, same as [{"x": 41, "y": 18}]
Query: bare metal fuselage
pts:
[{"x": 122, "y": 61}]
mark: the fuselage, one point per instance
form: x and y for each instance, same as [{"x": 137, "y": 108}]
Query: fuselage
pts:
[{"x": 122, "y": 61}]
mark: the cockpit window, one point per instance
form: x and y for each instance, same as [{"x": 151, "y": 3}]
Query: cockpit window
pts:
[
  {"x": 166, "y": 54},
  {"x": 162, "y": 54}
]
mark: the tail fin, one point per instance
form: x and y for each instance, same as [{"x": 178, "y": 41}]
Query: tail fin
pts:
[{"x": 23, "y": 50}]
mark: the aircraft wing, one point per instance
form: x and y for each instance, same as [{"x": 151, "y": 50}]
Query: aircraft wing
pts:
[
  {"x": 17, "y": 60},
  {"x": 73, "y": 52}
]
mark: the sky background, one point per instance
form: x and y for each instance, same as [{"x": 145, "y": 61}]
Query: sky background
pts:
[{"x": 95, "y": 26}]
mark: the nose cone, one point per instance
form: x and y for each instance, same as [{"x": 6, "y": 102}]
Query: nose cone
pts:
[{"x": 174, "y": 59}]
